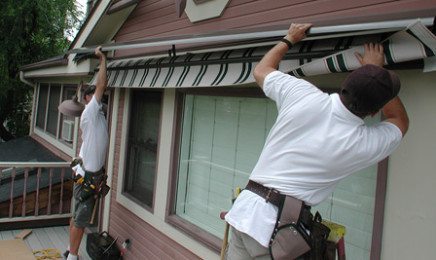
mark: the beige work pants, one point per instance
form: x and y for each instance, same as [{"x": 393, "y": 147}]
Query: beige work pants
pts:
[{"x": 243, "y": 247}]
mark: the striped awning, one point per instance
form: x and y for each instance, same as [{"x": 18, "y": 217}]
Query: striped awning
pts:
[
  {"x": 414, "y": 43},
  {"x": 235, "y": 66}
]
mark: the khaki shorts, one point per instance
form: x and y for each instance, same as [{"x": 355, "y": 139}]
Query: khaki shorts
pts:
[{"x": 82, "y": 210}]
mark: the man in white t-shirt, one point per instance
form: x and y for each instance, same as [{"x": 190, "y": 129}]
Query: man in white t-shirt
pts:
[
  {"x": 317, "y": 140},
  {"x": 95, "y": 139}
]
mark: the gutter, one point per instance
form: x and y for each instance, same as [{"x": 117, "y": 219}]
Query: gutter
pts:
[
  {"x": 25, "y": 81},
  {"x": 313, "y": 34},
  {"x": 51, "y": 62},
  {"x": 32, "y": 113}
]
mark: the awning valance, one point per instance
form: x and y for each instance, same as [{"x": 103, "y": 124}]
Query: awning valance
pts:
[{"x": 234, "y": 66}]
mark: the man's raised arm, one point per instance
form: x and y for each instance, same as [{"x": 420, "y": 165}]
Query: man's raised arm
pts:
[
  {"x": 272, "y": 58},
  {"x": 100, "y": 86}
]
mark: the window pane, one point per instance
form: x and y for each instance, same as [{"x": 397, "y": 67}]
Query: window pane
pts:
[
  {"x": 221, "y": 140},
  {"x": 53, "y": 113},
  {"x": 67, "y": 122},
  {"x": 142, "y": 145},
  {"x": 352, "y": 205},
  {"x": 42, "y": 105}
]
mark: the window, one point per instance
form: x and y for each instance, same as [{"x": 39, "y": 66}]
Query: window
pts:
[
  {"x": 139, "y": 177},
  {"x": 42, "y": 106},
  {"x": 67, "y": 122},
  {"x": 52, "y": 111},
  {"x": 48, "y": 119},
  {"x": 352, "y": 205},
  {"x": 220, "y": 140}
]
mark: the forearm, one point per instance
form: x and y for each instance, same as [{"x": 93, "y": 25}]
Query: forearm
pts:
[
  {"x": 270, "y": 62},
  {"x": 395, "y": 112},
  {"x": 101, "y": 79}
]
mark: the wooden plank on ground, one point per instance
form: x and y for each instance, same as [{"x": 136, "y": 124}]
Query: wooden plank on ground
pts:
[
  {"x": 15, "y": 249},
  {"x": 23, "y": 234}
]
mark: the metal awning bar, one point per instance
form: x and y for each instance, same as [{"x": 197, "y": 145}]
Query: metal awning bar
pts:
[
  {"x": 314, "y": 33},
  {"x": 234, "y": 66}
]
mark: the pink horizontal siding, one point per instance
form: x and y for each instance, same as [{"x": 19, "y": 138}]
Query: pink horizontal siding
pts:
[
  {"x": 146, "y": 241},
  {"x": 158, "y": 18}
]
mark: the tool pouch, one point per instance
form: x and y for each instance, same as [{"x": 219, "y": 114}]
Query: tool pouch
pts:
[
  {"x": 86, "y": 191},
  {"x": 289, "y": 239},
  {"x": 318, "y": 236},
  {"x": 104, "y": 190}
]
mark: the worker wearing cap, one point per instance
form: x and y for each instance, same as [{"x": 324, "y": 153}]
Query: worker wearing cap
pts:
[
  {"x": 317, "y": 140},
  {"x": 93, "y": 154}
]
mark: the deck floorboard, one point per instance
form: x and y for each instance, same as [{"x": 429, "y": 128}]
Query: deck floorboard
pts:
[{"x": 47, "y": 237}]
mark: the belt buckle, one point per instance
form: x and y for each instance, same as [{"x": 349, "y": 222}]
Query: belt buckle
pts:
[{"x": 268, "y": 195}]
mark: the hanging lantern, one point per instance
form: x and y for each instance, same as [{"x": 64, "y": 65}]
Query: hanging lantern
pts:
[{"x": 72, "y": 107}]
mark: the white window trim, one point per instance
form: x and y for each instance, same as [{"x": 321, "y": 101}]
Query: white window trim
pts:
[
  {"x": 53, "y": 141},
  {"x": 111, "y": 158}
]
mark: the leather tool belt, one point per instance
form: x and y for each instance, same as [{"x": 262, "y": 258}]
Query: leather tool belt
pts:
[
  {"x": 270, "y": 195},
  {"x": 297, "y": 234},
  {"x": 93, "y": 183}
]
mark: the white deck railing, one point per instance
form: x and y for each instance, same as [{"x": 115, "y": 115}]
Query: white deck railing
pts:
[{"x": 35, "y": 191}]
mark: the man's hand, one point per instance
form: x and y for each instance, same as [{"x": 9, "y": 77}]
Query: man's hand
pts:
[
  {"x": 271, "y": 60},
  {"x": 99, "y": 53},
  {"x": 297, "y": 32},
  {"x": 373, "y": 54}
]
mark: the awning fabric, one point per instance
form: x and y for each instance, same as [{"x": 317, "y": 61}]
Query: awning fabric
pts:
[
  {"x": 235, "y": 66},
  {"x": 414, "y": 43}
]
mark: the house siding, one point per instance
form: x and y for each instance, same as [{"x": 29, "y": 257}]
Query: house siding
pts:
[
  {"x": 146, "y": 241},
  {"x": 158, "y": 18}
]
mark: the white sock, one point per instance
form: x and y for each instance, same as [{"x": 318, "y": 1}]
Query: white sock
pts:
[
  {"x": 71, "y": 257},
  {"x": 68, "y": 247}
]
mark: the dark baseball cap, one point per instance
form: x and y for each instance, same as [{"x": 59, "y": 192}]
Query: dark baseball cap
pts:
[{"x": 369, "y": 88}]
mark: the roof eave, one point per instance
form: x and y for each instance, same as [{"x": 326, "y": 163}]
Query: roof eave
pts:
[{"x": 53, "y": 62}]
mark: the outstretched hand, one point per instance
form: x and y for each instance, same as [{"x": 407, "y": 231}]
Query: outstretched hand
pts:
[
  {"x": 297, "y": 32},
  {"x": 373, "y": 54}
]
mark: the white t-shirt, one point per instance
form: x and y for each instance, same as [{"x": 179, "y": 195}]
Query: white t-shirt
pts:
[
  {"x": 95, "y": 137},
  {"x": 315, "y": 142}
]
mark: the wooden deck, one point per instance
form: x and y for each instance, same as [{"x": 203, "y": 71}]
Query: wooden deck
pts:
[{"x": 45, "y": 238}]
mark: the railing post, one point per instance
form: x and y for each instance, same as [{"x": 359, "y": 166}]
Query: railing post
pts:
[
  {"x": 23, "y": 203},
  {"x": 38, "y": 179},
  {"x": 61, "y": 196},
  {"x": 11, "y": 196},
  {"x": 49, "y": 192}
]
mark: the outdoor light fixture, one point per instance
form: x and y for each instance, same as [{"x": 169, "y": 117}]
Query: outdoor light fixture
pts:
[{"x": 72, "y": 107}]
